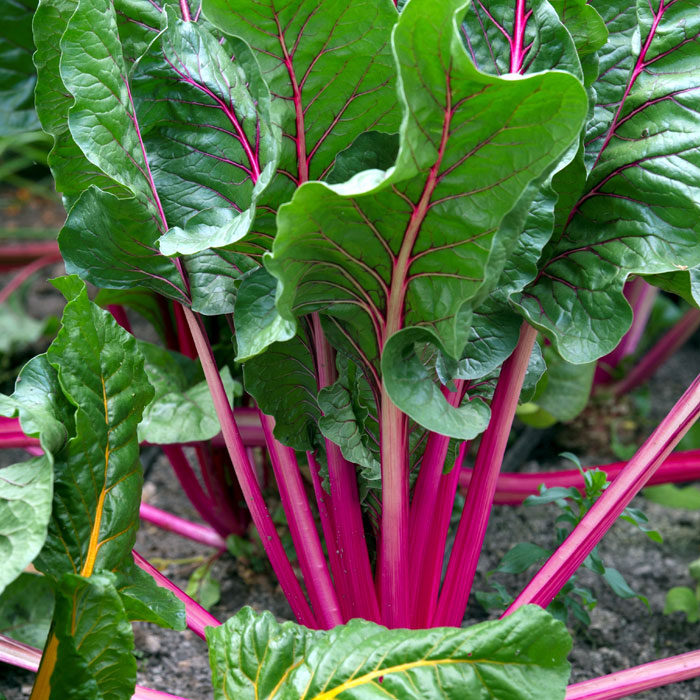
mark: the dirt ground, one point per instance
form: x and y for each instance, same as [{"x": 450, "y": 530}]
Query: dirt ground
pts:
[{"x": 623, "y": 633}]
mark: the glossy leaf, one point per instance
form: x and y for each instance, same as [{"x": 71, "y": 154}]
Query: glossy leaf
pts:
[
  {"x": 412, "y": 246},
  {"x": 181, "y": 391},
  {"x": 102, "y": 375},
  {"x": 94, "y": 657},
  {"x": 17, "y": 77},
  {"x": 512, "y": 658},
  {"x": 584, "y": 24},
  {"x": 638, "y": 212},
  {"x": 143, "y": 599}
]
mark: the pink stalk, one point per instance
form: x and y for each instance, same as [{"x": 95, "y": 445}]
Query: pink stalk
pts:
[
  {"x": 637, "y": 679},
  {"x": 119, "y": 313},
  {"x": 26, "y": 657},
  {"x": 664, "y": 348},
  {"x": 345, "y": 502},
  {"x": 302, "y": 529},
  {"x": 325, "y": 512},
  {"x": 430, "y": 574},
  {"x": 185, "y": 528},
  {"x": 641, "y": 297},
  {"x": 18, "y": 255},
  {"x": 513, "y": 488},
  {"x": 246, "y": 477},
  {"x": 24, "y": 274},
  {"x": 192, "y": 487},
  {"x": 197, "y": 617},
  {"x": 559, "y": 568},
  {"x": 184, "y": 337},
  {"x": 425, "y": 493},
  {"x": 477, "y": 508}
]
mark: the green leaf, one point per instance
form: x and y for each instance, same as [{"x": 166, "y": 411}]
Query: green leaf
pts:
[
  {"x": 203, "y": 587},
  {"x": 97, "y": 474},
  {"x": 141, "y": 300},
  {"x": 18, "y": 330},
  {"x": 413, "y": 245},
  {"x": 372, "y": 150},
  {"x": 251, "y": 653},
  {"x": 110, "y": 242},
  {"x": 95, "y": 640},
  {"x": 681, "y": 598},
  {"x": 179, "y": 391},
  {"x": 638, "y": 212},
  {"x": 584, "y": 24},
  {"x": 143, "y": 599},
  {"x": 26, "y": 491},
  {"x": 673, "y": 496},
  {"x": 17, "y": 78},
  {"x": 26, "y": 609},
  {"x": 207, "y": 127},
  {"x": 283, "y": 383},
  {"x": 329, "y": 82},
  {"x": 254, "y": 657},
  {"x": 521, "y": 557},
  {"x": 258, "y": 324},
  {"x": 411, "y": 387},
  {"x": 619, "y": 586}
]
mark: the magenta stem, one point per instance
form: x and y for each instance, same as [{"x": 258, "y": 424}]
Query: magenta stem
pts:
[
  {"x": 302, "y": 529},
  {"x": 514, "y": 488},
  {"x": 471, "y": 531},
  {"x": 119, "y": 314},
  {"x": 24, "y": 274},
  {"x": 184, "y": 338},
  {"x": 185, "y": 528},
  {"x": 641, "y": 297},
  {"x": 423, "y": 506},
  {"x": 345, "y": 503},
  {"x": 23, "y": 656},
  {"x": 246, "y": 477},
  {"x": 430, "y": 575},
  {"x": 559, "y": 568},
  {"x": 672, "y": 341},
  {"x": 18, "y": 255},
  {"x": 193, "y": 488},
  {"x": 197, "y": 617},
  {"x": 637, "y": 679},
  {"x": 325, "y": 512}
]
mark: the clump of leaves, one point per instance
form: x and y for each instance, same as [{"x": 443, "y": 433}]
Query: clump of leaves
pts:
[{"x": 573, "y": 600}]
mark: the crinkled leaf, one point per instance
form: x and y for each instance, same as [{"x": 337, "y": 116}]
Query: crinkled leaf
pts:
[
  {"x": 17, "y": 75},
  {"x": 26, "y": 609},
  {"x": 180, "y": 391},
  {"x": 251, "y": 653},
  {"x": 97, "y": 474},
  {"x": 283, "y": 383},
  {"x": 329, "y": 81},
  {"x": 515, "y": 658},
  {"x": 143, "y": 599},
  {"x": 209, "y": 137},
  {"x": 638, "y": 212},
  {"x": 95, "y": 657},
  {"x": 413, "y": 246},
  {"x": 110, "y": 242},
  {"x": 258, "y": 324},
  {"x": 26, "y": 490}
]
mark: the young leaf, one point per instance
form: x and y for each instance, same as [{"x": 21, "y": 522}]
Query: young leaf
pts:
[
  {"x": 26, "y": 609},
  {"x": 683, "y": 599},
  {"x": 638, "y": 212}
]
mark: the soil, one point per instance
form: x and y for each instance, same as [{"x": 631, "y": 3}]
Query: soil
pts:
[{"x": 622, "y": 633}]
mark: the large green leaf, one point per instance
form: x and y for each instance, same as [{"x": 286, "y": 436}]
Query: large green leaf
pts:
[
  {"x": 180, "y": 390},
  {"x": 17, "y": 76},
  {"x": 513, "y": 659},
  {"x": 411, "y": 247},
  {"x": 94, "y": 658},
  {"x": 638, "y": 212},
  {"x": 97, "y": 474},
  {"x": 329, "y": 81}
]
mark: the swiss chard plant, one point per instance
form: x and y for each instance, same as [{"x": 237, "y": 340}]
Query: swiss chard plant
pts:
[{"x": 368, "y": 213}]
